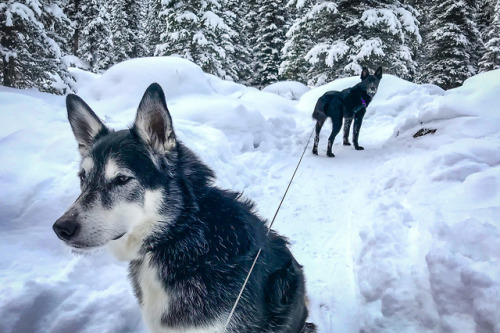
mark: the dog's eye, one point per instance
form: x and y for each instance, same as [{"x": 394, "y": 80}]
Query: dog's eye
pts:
[
  {"x": 122, "y": 180},
  {"x": 82, "y": 175}
]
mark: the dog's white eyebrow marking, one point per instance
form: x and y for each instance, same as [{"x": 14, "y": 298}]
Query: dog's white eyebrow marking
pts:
[
  {"x": 111, "y": 169},
  {"x": 87, "y": 164}
]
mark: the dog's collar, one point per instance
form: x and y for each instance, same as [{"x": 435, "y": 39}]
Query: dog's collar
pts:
[{"x": 363, "y": 102}]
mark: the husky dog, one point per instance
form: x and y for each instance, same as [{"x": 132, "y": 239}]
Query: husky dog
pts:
[
  {"x": 350, "y": 103},
  {"x": 190, "y": 244}
]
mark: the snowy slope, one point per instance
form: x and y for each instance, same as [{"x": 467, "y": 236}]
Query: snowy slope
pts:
[{"x": 401, "y": 237}]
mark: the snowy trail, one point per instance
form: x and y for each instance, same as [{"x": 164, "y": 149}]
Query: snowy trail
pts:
[
  {"x": 328, "y": 198},
  {"x": 322, "y": 197},
  {"x": 325, "y": 250}
]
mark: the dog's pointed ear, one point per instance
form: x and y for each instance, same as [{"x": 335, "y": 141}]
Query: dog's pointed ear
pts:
[
  {"x": 364, "y": 73},
  {"x": 378, "y": 73},
  {"x": 84, "y": 122},
  {"x": 153, "y": 122}
]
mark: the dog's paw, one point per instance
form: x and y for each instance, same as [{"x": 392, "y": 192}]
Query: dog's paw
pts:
[
  {"x": 359, "y": 148},
  {"x": 346, "y": 143},
  {"x": 330, "y": 154},
  {"x": 315, "y": 151}
]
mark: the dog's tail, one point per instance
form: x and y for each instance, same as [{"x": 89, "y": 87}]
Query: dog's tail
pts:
[
  {"x": 309, "y": 328},
  {"x": 319, "y": 110}
]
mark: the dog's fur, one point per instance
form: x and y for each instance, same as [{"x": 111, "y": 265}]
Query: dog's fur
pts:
[
  {"x": 348, "y": 104},
  {"x": 189, "y": 243}
]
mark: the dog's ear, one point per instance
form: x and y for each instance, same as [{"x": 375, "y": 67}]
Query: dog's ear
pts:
[
  {"x": 153, "y": 122},
  {"x": 378, "y": 73},
  {"x": 84, "y": 122},
  {"x": 364, "y": 73}
]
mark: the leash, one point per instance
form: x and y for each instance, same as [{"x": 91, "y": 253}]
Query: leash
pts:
[{"x": 268, "y": 230}]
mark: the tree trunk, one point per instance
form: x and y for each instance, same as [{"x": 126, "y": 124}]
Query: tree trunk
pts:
[{"x": 9, "y": 74}]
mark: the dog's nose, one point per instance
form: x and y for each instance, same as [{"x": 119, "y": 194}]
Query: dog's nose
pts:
[{"x": 65, "y": 228}]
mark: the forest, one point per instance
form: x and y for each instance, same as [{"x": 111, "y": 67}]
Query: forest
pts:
[{"x": 256, "y": 42}]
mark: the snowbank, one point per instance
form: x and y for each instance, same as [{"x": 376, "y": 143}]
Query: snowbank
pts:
[
  {"x": 401, "y": 237},
  {"x": 288, "y": 89}
]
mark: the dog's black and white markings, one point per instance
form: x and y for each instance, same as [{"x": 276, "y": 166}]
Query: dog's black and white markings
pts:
[
  {"x": 190, "y": 244},
  {"x": 350, "y": 104}
]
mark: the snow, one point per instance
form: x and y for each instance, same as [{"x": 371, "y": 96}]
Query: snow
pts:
[
  {"x": 214, "y": 21},
  {"x": 288, "y": 89},
  {"x": 372, "y": 17},
  {"x": 326, "y": 6},
  {"x": 188, "y": 16},
  {"x": 401, "y": 237}
]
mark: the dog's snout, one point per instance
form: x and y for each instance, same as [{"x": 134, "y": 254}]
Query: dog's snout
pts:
[{"x": 66, "y": 228}]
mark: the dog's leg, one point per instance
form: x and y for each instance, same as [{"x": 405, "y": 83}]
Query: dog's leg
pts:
[
  {"x": 347, "y": 128},
  {"x": 315, "y": 147},
  {"x": 358, "y": 120},
  {"x": 336, "y": 125},
  {"x": 329, "y": 149},
  {"x": 319, "y": 124}
]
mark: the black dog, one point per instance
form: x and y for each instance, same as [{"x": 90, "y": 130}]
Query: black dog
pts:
[
  {"x": 349, "y": 103},
  {"x": 190, "y": 244}
]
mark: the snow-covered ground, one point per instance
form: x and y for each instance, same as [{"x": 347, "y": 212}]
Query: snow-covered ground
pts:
[{"x": 401, "y": 237}]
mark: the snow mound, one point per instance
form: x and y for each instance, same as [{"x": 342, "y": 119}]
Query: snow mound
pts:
[
  {"x": 309, "y": 98},
  {"x": 292, "y": 90}
]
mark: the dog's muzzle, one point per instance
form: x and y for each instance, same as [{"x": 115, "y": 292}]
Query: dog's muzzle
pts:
[
  {"x": 66, "y": 226},
  {"x": 371, "y": 92}
]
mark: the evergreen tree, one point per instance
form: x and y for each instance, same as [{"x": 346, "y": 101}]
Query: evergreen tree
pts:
[
  {"x": 73, "y": 10},
  {"x": 474, "y": 35},
  {"x": 197, "y": 32},
  {"x": 154, "y": 25},
  {"x": 250, "y": 26},
  {"x": 31, "y": 57},
  {"x": 452, "y": 44},
  {"x": 95, "y": 41},
  {"x": 335, "y": 39},
  {"x": 491, "y": 57},
  {"x": 422, "y": 52},
  {"x": 270, "y": 39},
  {"x": 126, "y": 30},
  {"x": 485, "y": 15},
  {"x": 241, "y": 57},
  {"x": 294, "y": 65}
]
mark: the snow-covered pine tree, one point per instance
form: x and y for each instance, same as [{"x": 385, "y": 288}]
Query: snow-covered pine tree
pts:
[
  {"x": 154, "y": 25},
  {"x": 490, "y": 59},
  {"x": 474, "y": 35},
  {"x": 31, "y": 56},
  {"x": 337, "y": 38},
  {"x": 198, "y": 32},
  {"x": 248, "y": 34},
  {"x": 240, "y": 58},
  {"x": 484, "y": 17},
  {"x": 95, "y": 40},
  {"x": 294, "y": 65},
  {"x": 422, "y": 51},
  {"x": 269, "y": 40},
  {"x": 126, "y": 30},
  {"x": 452, "y": 43},
  {"x": 73, "y": 10}
]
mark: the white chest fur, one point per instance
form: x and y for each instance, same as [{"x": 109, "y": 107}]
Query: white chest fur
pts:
[
  {"x": 154, "y": 297},
  {"x": 156, "y": 300}
]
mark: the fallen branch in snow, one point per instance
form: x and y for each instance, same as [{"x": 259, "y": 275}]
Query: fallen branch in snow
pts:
[{"x": 424, "y": 131}]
